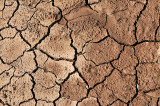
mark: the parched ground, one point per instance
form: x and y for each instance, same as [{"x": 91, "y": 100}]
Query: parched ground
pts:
[{"x": 79, "y": 53}]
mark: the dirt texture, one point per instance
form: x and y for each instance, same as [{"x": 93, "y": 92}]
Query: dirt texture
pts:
[{"x": 79, "y": 53}]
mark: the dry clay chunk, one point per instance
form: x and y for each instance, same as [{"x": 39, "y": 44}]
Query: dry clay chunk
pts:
[
  {"x": 6, "y": 14},
  {"x": 149, "y": 21},
  {"x": 121, "y": 25},
  {"x": 147, "y": 52},
  {"x": 87, "y": 25},
  {"x": 57, "y": 44},
  {"x": 65, "y": 102},
  {"x": 11, "y": 49},
  {"x": 60, "y": 69},
  {"x": 91, "y": 73},
  {"x": 68, "y": 5},
  {"x": 17, "y": 91},
  {"x": 89, "y": 102},
  {"x": 149, "y": 78},
  {"x": 24, "y": 64},
  {"x": 74, "y": 88},
  {"x": 21, "y": 17},
  {"x": 34, "y": 32},
  {"x": 104, "y": 95},
  {"x": 127, "y": 61},
  {"x": 45, "y": 86},
  {"x": 123, "y": 86},
  {"x": 102, "y": 52}
]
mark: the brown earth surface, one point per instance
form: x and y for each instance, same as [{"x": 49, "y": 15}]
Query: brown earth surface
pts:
[{"x": 79, "y": 53}]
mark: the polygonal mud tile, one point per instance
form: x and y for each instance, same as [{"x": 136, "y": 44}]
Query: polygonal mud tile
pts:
[
  {"x": 68, "y": 5},
  {"x": 121, "y": 24},
  {"x": 148, "y": 22},
  {"x": 8, "y": 32},
  {"x": 34, "y": 32},
  {"x": 21, "y": 17},
  {"x": 92, "y": 73},
  {"x": 6, "y": 14},
  {"x": 4, "y": 67},
  {"x": 24, "y": 64},
  {"x": 60, "y": 69},
  {"x": 6, "y": 76},
  {"x": 28, "y": 103},
  {"x": 17, "y": 91},
  {"x": 104, "y": 95},
  {"x": 148, "y": 77},
  {"x": 89, "y": 102},
  {"x": 74, "y": 88},
  {"x": 127, "y": 61},
  {"x": 44, "y": 103},
  {"x": 46, "y": 15},
  {"x": 29, "y": 3},
  {"x": 41, "y": 58},
  {"x": 10, "y": 49},
  {"x": 147, "y": 52},
  {"x": 103, "y": 52},
  {"x": 64, "y": 101},
  {"x": 87, "y": 26},
  {"x": 45, "y": 86},
  {"x": 123, "y": 86},
  {"x": 143, "y": 100},
  {"x": 118, "y": 103},
  {"x": 58, "y": 43}
]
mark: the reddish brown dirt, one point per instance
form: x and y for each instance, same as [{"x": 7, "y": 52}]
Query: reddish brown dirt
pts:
[{"x": 79, "y": 53}]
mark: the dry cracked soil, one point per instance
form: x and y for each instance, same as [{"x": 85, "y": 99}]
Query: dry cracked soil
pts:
[{"x": 79, "y": 53}]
